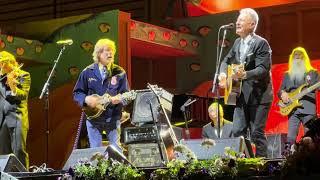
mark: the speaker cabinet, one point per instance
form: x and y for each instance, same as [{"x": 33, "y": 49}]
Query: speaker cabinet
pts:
[
  {"x": 10, "y": 163},
  {"x": 85, "y": 154},
  {"x": 276, "y": 144},
  {"x": 82, "y": 154},
  {"x": 201, "y": 151},
  {"x": 146, "y": 155},
  {"x": 146, "y": 106}
]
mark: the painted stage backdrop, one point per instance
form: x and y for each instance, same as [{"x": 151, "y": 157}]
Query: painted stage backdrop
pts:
[{"x": 54, "y": 144}]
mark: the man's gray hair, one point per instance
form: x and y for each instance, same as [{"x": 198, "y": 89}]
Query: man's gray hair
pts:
[{"x": 253, "y": 14}]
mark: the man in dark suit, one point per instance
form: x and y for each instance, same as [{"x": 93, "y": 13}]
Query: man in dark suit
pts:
[
  {"x": 14, "y": 123},
  {"x": 254, "y": 101},
  {"x": 300, "y": 73},
  {"x": 210, "y": 130}
]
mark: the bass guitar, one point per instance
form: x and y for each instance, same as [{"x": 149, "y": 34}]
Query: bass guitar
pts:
[
  {"x": 104, "y": 101},
  {"x": 295, "y": 96}
]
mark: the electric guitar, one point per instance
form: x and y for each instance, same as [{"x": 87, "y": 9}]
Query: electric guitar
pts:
[
  {"x": 103, "y": 102},
  {"x": 233, "y": 86},
  {"x": 295, "y": 96}
]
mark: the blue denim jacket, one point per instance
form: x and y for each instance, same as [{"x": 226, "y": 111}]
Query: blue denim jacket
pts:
[{"x": 90, "y": 82}]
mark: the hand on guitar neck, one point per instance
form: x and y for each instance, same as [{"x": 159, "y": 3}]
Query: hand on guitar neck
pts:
[
  {"x": 97, "y": 104},
  {"x": 93, "y": 101}
]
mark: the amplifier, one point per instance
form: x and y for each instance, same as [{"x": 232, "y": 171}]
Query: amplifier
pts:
[
  {"x": 140, "y": 134},
  {"x": 147, "y": 155}
]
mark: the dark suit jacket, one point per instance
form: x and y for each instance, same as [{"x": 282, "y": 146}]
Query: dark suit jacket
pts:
[
  {"x": 257, "y": 87},
  {"x": 15, "y": 107},
  {"x": 309, "y": 100},
  {"x": 208, "y": 131}
]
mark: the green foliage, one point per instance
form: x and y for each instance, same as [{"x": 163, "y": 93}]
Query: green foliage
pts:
[
  {"x": 230, "y": 165},
  {"x": 100, "y": 168},
  {"x": 249, "y": 165}
]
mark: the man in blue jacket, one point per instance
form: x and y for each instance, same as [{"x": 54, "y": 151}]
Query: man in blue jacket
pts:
[{"x": 103, "y": 76}]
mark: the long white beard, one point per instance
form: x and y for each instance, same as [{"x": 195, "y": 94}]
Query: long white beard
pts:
[{"x": 298, "y": 70}]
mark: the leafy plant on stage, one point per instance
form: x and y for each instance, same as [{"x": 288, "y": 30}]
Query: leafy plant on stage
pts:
[
  {"x": 229, "y": 165},
  {"x": 247, "y": 166},
  {"x": 173, "y": 171},
  {"x": 101, "y": 168}
]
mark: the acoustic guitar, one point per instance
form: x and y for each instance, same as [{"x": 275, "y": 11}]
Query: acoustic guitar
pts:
[
  {"x": 103, "y": 102},
  {"x": 295, "y": 96},
  {"x": 233, "y": 86}
]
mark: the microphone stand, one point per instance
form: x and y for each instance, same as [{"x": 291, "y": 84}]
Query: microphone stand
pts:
[
  {"x": 183, "y": 109},
  {"x": 215, "y": 85},
  {"x": 45, "y": 91}
]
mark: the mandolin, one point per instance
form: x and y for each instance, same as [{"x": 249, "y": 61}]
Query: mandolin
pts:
[{"x": 103, "y": 102}]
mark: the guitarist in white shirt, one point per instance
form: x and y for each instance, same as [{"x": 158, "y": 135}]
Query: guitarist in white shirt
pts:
[{"x": 300, "y": 72}]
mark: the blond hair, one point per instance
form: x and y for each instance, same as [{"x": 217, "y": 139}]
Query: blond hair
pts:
[
  {"x": 8, "y": 58},
  {"x": 305, "y": 58},
  {"x": 213, "y": 106},
  {"x": 101, "y": 43}
]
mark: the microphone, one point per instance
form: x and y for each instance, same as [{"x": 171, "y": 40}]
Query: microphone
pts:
[
  {"x": 65, "y": 42},
  {"x": 227, "y": 26}
]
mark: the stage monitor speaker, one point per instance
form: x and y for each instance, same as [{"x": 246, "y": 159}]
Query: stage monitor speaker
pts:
[
  {"x": 6, "y": 176},
  {"x": 276, "y": 144},
  {"x": 10, "y": 163},
  {"x": 114, "y": 154},
  {"x": 238, "y": 144},
  {"x": 82, "y": 154},
  {"x": 147, "y": 155},
  {"x": 86, "y": 154}
]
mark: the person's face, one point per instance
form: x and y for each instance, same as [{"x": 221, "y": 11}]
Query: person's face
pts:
[
  {"x": 298, "y": 55},
  {"x": 106, "y": 55},
  {"x": 213, "y": 114},
  {"x": 5, "y": 67},
  {"x": 244, "y": 25}
]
